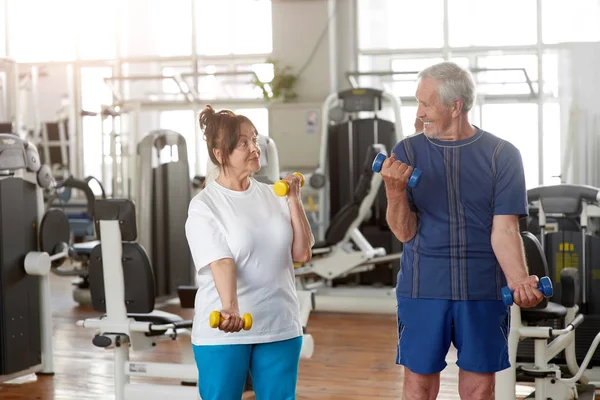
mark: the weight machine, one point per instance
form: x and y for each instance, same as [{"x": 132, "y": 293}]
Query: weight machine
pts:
[
  {"x": 26, "y": 253},
  {"x": 122, "y": 288},
  {"x": 82, "y": 233},
  {"x": 345, "y": 137},
  {"x": 346, "y": 251},
  {"x": 551, "y": 381},
  {"x": 163, "y": 197},
  {"x": 352, "y": 233},
  {"x": 558, "y": 244}
]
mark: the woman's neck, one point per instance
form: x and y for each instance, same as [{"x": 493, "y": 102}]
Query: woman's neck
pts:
[{"x": 233, "y": 182}]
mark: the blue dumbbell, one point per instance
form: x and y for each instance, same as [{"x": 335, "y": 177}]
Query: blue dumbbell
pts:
[
  {"x": 544, "y": 286},
  {"x": 414, "y": 179}
]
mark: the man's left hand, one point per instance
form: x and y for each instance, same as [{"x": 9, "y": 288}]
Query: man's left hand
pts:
[{"x": 526, "y": 293}]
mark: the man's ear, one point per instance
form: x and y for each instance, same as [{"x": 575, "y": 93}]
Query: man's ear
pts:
[{"x": 456, "y": 108}]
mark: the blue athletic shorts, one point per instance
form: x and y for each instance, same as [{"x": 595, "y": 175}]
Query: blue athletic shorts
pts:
[
  {"x": 478, "y": 330},
  {"x": 222, "y": 369}
]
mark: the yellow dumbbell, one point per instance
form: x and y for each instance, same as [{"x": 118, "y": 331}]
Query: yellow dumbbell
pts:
[
  {"x": 216, "y": 318},
  {"x": 282, "y": 188}
]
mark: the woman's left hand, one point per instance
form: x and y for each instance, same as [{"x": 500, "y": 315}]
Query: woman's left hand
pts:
[{"x": 294, "y": 182}]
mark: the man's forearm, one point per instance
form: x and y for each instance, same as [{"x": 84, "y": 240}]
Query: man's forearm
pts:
[
  {"x": 508, "y": 248},
  {"x": 401, "y": 219}
]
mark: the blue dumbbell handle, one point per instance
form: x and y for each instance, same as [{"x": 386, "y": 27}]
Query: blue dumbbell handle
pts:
[
  {"x": 414, "y": 179},
  {"x": 544, "y": 286}
]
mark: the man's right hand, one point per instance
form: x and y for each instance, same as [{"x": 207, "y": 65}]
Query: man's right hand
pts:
[{"x": 395, "y": 175}]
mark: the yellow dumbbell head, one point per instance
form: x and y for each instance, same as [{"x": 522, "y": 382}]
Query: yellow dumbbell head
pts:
[
  {"x": 247, "y": 322},
  {"x": 215, "y": 319},
  {"x": 281, "y": 188},
  {"x": 299, "y": 175}
]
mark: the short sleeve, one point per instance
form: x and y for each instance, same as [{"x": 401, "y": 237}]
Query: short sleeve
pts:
[
  {"x": 510, "y": 191},
  {"x": 205, "y": 239},
  {"x": 401, "y": 154}
]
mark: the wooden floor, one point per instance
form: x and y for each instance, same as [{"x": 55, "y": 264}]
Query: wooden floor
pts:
[{"x": 353, "y": 359}]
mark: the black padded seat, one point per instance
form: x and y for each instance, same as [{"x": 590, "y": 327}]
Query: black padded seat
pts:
[
  {"x": 137, "y": 274},
  {"x": 342, "y": 220},
  {"x": 551, "y": 311},
  {"x": 321, "y": 244}
]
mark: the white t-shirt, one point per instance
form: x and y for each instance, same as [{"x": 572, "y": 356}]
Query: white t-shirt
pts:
[{"x": 254, "y": 228}]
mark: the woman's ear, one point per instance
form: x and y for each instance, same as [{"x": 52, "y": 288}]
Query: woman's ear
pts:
[{"x": 217, "y": 154}]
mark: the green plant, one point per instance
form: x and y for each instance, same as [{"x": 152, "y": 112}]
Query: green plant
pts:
[{"x": 282, "y": 84}]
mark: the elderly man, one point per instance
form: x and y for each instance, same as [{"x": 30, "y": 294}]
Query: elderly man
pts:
[{"x": 461, "y": 240}]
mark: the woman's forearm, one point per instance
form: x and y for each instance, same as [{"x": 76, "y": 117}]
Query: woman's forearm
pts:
[
  {"x": 225, "y": 276},
  {"x": 302, "y": 242}
]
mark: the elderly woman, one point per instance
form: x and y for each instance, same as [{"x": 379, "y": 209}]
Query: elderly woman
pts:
[{"x": 244, "y": 240}]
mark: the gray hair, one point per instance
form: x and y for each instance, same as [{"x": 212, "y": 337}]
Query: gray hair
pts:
[{"x": 455, "y": 83}]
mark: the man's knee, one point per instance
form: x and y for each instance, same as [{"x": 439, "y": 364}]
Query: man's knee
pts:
[
  {"x": 475, "y": 386},
  {"x": 420, "y": 386}
]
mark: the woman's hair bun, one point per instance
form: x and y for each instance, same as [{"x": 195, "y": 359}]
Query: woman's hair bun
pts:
[{"x": 206, "y": 116}]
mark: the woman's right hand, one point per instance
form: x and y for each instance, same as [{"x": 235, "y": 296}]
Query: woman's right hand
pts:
[{"x": 231, "y": 320}]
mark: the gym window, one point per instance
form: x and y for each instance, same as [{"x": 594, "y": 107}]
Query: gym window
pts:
[
  {"x": 570, "y": 21},
  {"x": 400, "y": 24},
  {"x": 42, "y": 30},
  {"x": 94, "y": 92},
  {"x": 183, "y": 122},
  {"x": 246, "y": 27},
  {"x": 485, "y": 23},
  {"x": 171, "y": 27},
  {"x": 518, "y": 124},
  {"x": 95, "y": 27}
]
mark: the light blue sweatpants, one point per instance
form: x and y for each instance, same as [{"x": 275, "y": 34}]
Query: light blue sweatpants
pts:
[{"x": 222, "y": 370}]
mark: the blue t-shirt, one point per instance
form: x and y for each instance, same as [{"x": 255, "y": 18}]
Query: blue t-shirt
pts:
[{"x": 463, "y": 185}]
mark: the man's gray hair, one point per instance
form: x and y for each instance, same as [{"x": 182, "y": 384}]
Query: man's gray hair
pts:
[{"x": 455, "y": 83}]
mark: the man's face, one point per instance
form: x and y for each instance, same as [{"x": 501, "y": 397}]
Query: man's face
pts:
[
  {"x": 418, "y": 125},
  {"x": 436, "y": 116}
]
